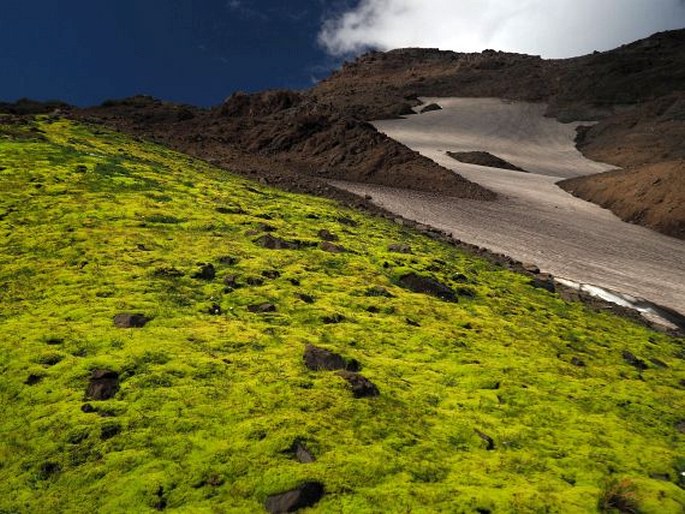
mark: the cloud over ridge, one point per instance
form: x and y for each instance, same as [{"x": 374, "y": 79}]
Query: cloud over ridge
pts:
[{"x": 551, "y": 28}]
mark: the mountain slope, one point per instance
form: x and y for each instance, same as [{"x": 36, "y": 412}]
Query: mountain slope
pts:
[
  {"x": 635, "y": 91},
  {"x": 494, "y": 396}
]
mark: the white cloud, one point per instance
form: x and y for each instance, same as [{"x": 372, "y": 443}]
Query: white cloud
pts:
[{"x": 551, "y": 28}]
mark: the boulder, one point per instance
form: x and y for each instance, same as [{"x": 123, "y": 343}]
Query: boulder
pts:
[
  {"x": 262, "y": 308},
  {"x": 206, "y": 272},
  {"x": 275, "y": 243},
  {"x": 362, "y": 387},
  {"x": 305, "y": 495},
  {"x": 128, "y": 320},
  {"x": 104, "y": 384},
  {"x": 399, "y": 248},
  {"x": 327, "y": 246},
  {"x": 320, "y": 359},
  {"x": 327, "y": 236},
  {"x": 427, "y": 285}
]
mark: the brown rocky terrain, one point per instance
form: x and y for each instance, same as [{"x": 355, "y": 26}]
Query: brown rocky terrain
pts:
[
  {"x": 635, "y": 92},
  {"x": 648, "y": 141},
  {"x": 284, "y": 138}
]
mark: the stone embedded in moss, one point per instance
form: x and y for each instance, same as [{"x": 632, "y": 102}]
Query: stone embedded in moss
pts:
[
  {"x": 427, "y": 285},
  {"x": 362, "y": 387},
  {"x": 128, "y": 320},
  {"x": 104, "y": 384},
  {"x": 303, "y": 496},
  {"x": 320, "y": 359}
]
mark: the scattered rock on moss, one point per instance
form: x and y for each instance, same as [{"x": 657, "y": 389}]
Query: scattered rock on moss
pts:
[
  {"x": 305, "y": 495},
  {"x": 399, "y": 248},
  {"x": 300, "y": 452},
  {"x": 489, "y": 441},
  {"x": 206, "y": 272},
  {"x": 327, "y": 236},
  {"x": 306, "y": 298},
  {"x": 104, "y": 384},
  {"x": 577, "y": 362},
  {"x": 362, "y": 387},
  {"x": 427, "y": 285},
  {"x": 274, "y": 243},
  {"x": 320, "y": 359},
  {"x": 333, "y": 319},
  {"x": 168, "y": 272},
  {"x": 33, "y": 379},
  {"x": 631, "y": 359},
  {"x": 271, "y": 274},
  {"x": 262, "y": 308},
  {"x": 327, "y": 246},
  {"x": 215, "y": 309},
  {"x": 129, "y": 320},
  {"x": 544, "y": 281}
]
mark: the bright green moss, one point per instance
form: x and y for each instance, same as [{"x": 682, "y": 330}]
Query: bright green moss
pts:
[{"x": 97, "y": 224}]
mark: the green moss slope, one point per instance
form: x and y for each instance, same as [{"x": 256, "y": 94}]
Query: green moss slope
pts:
[{"x": 91, "y": 223}]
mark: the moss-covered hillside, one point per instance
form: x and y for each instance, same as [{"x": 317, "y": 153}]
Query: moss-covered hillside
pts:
[{"x": 501, "y": 399}]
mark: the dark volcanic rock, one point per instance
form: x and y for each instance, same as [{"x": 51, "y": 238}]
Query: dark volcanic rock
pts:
[
  {"x": 544, "y": 281},
  {"x": 104, "y": 384},
  {"x": 319, "y": 359},
  {"x": 206, "y": 272},
  {"x": 399, "y": 248},
  {"x": 327, "y": 246},
  {"x": 427, "y": 285},
  {"x": 33, "y": 379},
  {"x": 631, "y": 359},
  {"x": 300, "y": 452},
  {"x": 232, "y": 281},
  {"x": 327, "y": 236},
  {"x": 484, "y": 159},
  {"x": 306, "y": 298},
  {"x": 271, "y": 274},
  {"x": 362, "y": 387},
  {"x": 305, "y": 495},
  {"x": 261, "y": 308},
  {"x": 128, "y": 320},
  {"x": 490, "y": 443},
  {"x": 215, "y": 309},
  {"x": 333, "y": 319},
  {"x": 275, "y": 243},
  {"x": 431, "y": 107}
]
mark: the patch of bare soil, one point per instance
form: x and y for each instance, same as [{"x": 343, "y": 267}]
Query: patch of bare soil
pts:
[{"x": 484, "y": 159}]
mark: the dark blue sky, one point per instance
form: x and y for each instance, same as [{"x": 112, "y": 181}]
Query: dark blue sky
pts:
[{"x": 194, "y": 51}]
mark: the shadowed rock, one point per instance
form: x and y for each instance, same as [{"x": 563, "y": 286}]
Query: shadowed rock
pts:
[
  {"x": 275, "y": 243},
  {"x": 631, "y": 359},
  {"x": 427, "y": 285},
  {"x": 306, "y": 298},
  {"x": 484, "y": 159},
  {"x": 544, "y": 281},
  {"x": 261, "y": 308},
  {"x": 399, "y": 248},
  {"x": 271, "y": 274},
  {"x": 128, "y": 320},
  {"x": 489, "y": 442},
  {"x": 305, "y": 495},
  {"x": 319, "y": 359},
  {"x": 431, "y": 107},
  {"x": 362, "y": 387},
  {"x": 327, "y": 236},
  {"x": 327, "y": 246},
  {"x": 215, "y": 309},
  {"x": 301, "y": 453},
  {"x": 206, "y": 272},
  {"x": 333, "y": 319},
  {"x": 104, "y": 384}
]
